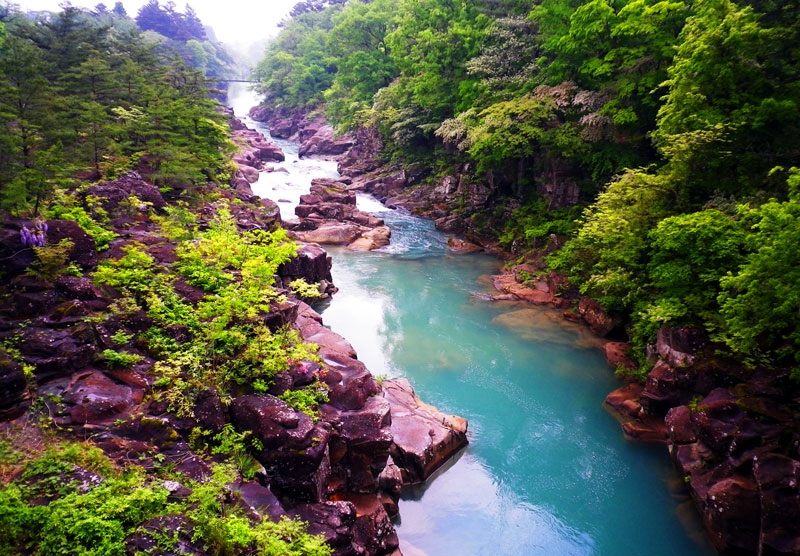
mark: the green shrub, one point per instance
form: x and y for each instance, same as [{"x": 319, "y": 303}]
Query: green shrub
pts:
[
  {"x": 102, "y": 236},
  {"x": 304, "y": 290},
  {"x": 120, "y": 359},
  {"x": 51, "y": 261}
]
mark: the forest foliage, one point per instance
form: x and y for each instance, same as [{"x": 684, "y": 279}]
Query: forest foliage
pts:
[
  {"x": 677, "y": 120},
  {"x": 88, "y": 95}
]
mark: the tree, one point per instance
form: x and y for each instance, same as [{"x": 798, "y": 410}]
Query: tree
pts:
[{"x": 760, "y": 300}]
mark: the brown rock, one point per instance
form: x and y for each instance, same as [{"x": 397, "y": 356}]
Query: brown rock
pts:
[
  {"x": 282, "y": 128},
  {"x": 650, "y": 429},
  {"x": 625, "y": 400},
  {"x": 333, "y": 233},
  {"x": 349, "y": 382},
  {"x": 112, "y": 193},
  {"x": 311, "y": 263},
  {"x": 334, "y": 520},
  {"x": 249, "y": 173},
  {"x": 12, "y": 386},
  {"x": 295, "y": 450},
  {"x": 324, "y": 142},
  {"x": 679, "y": 346},
  {"x": 730, "y": 512},
  {"x": 208, "y": 410},
  {"x": 373, "y": 239},
  {"x": 680, "y": 427},
  {"x": 507, "y": 284},
  {"x": 424, "y": 438},
  {"x": 54, "y": 353},
  {"x": 778, "y": 479},
  {"x": 84, "y": 249},
  {"x": 360, "y": 443},
  {"x": 373, "y": 531},
  {"x": 616, "y": 355},
  {"x": 660, "y": 392},
  {"x": 258, "y": 500},
  {"x": 461, "y": 246},
  {"x": 595, "y": 316},
  {"x": 96, "y": 399}
]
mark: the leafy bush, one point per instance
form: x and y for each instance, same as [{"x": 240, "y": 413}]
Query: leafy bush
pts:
[
  {"x": 307, "y": 399},
  {"x": 120, "y": 359},
  {"x": 304, "y": 290},
  {"x": 96, "y": 522},
  {"x": 102, "y": 235},
  {"x": 51, "y": 261}
]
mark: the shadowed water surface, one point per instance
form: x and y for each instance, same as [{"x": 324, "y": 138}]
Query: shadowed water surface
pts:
[{"x": 547, "y": 471}]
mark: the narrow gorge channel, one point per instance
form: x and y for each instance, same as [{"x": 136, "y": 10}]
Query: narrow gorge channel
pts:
[{"x": 548, "y": 471}]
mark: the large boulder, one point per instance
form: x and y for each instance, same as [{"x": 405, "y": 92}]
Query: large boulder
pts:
[
  {"x": 258, "y": 501},
  {"x": 424, "y": 438},
  {"x": 294, "y": 449},
  {"x": 373, "y": 239},
  {"x": 84, "y": 249},
  {"x": 349, "y": 382},
  {"x": 333, "y": 520},
  {"x": 332, "y": 233},
  {"x": 112, "y": 193},
  {"x": 660, "y": 392},
  {"x": 679, "y": 346},
  {"x": 311, "y": 263},
  {"x": 730, "y": 513},
  {"x": 324, "y": 142},
  {"x": 54, "y": 353},
  {"x": 360, "y": 443},
  {"x": 260, "y": 113},
  {"x": 95, "y": 399},
  {"x": 617, "y": 355},
  {"x": 283, "y": 128},
  {"x": 507, "y": 283},
  {"x": 595, "y": 316}
]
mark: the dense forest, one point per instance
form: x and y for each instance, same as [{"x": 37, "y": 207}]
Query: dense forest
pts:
[
  {"x": 671, "y": 125},
  {"x": 87, "y": 95}
]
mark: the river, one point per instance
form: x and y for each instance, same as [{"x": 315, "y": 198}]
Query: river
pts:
[{"x": 548, "y": 471}]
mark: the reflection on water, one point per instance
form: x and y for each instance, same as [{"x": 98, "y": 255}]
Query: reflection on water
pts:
[{"x": 547, "y": 471}]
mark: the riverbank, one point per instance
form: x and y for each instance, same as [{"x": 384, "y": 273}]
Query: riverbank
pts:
[
  {"x": 183, "y": 349},
  {"x": 699, "y": 392}
]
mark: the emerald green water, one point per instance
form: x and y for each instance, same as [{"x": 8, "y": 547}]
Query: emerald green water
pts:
[{"x": 547, "y": 471}]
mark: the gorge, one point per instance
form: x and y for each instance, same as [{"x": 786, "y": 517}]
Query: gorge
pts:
[{"x": 548, "y": 470}]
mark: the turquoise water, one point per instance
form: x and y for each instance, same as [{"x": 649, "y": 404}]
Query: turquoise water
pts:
[{"x": 548, "y": 471}]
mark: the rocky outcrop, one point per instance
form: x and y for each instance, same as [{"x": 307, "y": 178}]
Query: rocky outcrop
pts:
[
  {"x": 732, "y": 456},
  {"x": 112, "y": 194},
  {"x": 328, "y": 215},
  {"x": 736, "y": 445},
  {"x": 254, "y": 151},
  {"x": 325, "y": 143},
  {"x": 312, "y": 264},
  {"x": 423, "y": 437},
  {"x": 294, "y": 450}
]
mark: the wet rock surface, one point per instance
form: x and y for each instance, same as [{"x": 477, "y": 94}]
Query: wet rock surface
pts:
[
  {"x": 423, "y": 437},
  {"x": 328, "y": 215}
]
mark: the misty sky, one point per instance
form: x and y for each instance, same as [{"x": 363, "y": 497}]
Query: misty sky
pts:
[{"x": 237, "y": 22}]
